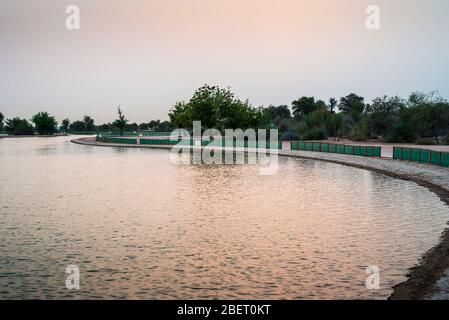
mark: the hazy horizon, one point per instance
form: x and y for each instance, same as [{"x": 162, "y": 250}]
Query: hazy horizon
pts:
[{"x": 146, "y": 55}]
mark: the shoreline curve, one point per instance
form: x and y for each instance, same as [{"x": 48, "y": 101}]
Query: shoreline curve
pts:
[{"x": 433, "y": 265}]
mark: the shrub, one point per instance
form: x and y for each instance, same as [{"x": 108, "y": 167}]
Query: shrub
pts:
[
  {"x": 314, "y": 134},
  {"x": 446, "y": 139},
  {"x": 289, "y": 136}
]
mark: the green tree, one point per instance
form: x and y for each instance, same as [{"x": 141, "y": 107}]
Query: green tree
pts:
[
  {"x": 404, "y": 129},
  {"x": 17, "y": 126},
  {"x": 382, "y": 115},
  {"x": 181, "y": 115},
  {"x": 65, "y": 125},
  {"x": 132, "y": 127},
  {"x": 334, "y": 124},
  {"x": 78, "y": 126},
  {"x": 121, "y": 122},
  {"x": 352, "y": 104},
  {"x": 316, "y": 123},
  {"x": 44, "y": 123},
  {"x": 279, "y": 112},
  {"x": 431, "y": 113},
  {"x": 304, "y": 106},
  {"x": 89, "y": 123},
  {"x": 2, "y": 118},
  {"x": 105, "y": 127},
  {"x": 215, "y": 108},
  {"x": 165, "y": 126}
]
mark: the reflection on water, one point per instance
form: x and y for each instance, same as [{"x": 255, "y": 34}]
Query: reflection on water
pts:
[{"x": 140, "y": 227}]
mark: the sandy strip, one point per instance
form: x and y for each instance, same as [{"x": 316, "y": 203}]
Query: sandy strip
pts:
[{"x": 429, "y": 279}]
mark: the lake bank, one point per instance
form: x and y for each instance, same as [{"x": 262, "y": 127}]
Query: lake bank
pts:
[{"x": 422, "y": 279}]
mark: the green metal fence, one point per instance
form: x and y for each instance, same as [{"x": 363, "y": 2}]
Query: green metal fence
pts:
[
  {"x": 243, "y": 144},
  {"x": 422, "y": 156},
  {"x": 365, "y": 151},
  {"x": 136, "y": 134},
  {"x": 168, "y": 142},
  {"x": 116, "y": 140}
]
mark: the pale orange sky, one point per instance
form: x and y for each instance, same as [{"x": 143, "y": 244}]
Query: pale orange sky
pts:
[{"x": 146, "y": 55}]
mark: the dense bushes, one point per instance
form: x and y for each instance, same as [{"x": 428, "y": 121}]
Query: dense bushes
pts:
[{"x": 391, "y": 119}]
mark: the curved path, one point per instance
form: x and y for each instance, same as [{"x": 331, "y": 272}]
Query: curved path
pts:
[{"x": 428, "y": 280}]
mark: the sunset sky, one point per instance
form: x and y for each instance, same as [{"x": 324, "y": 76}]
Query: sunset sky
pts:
[{"x": 146, "y": 55}]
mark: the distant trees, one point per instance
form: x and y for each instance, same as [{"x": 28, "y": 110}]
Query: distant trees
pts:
[
  {"x": 280, "y": 112},
  {"x": 17, "y": 126},
  {"x": 392, "y": 119},
  {"x": 105, "y": 127},
  {"x": 65, "y": 125},
  {"x": 121, "y": 122},
  {"x": 431, "y": 114},
  {"x": 164, "y": 126},
  {"x": 89, "y": 123},
  {"x": 332, "y": 104},
  {"x": 305, "y": 106},
  {"x": 422, "y": 118},
  {"x": 132, "y": 127},
  {"x": 78, "y": 126},
  {"x": 44, "y": 123},
  {"x": 352, "y": 104},
  {"x": 2, "y": 118},
  {"x": 383, "y": 115},
  {"x": 85, "y": 125}
]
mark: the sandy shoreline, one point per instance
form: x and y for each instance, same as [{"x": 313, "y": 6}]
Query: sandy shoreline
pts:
[{"x": 429, "y": 279}]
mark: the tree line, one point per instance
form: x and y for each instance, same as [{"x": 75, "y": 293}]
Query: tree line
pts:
[
  {"x": 43, "y": 123},
  {"x": 420, "y": 118}
]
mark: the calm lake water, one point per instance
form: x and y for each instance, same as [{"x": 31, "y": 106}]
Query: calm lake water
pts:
[{"x": 140, "y": 227}]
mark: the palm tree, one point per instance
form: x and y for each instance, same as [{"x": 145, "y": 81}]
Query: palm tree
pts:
[{"x": 120, "y": 122}]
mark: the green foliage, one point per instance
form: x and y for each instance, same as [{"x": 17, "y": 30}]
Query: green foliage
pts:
[
  {"x": 215, "y": 108},
  {"x": 17, "y": 126},
  {"x": 404, "y": 130},
  {"x": 334, "y": 124},
  {"x": 392, "y": 119},
  {"x": 305, "y": 106},
  {"x": 157, "y": 125},
  {"x": 44, "y": 123},
  {"x": 314, "y": 134},
  {"x": 78, "y": 126},
  {"x": 431, "y": 114},
  {"x": 278, "y": 113},
  {"x": 359, "y": 131},
  {"x": 106, "y": 127},
  {"x": 2, "y": 118},
  {"x": 65, "y": 125},
  {"x": 382, "y": 115},
  {"x": 289, "y": 136},
  {"x": 85, "y": 126},
  {"x": 121, "y": 122},
  {"x": 352, "y": 104},
  {"x": 89, "y": 123}
]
